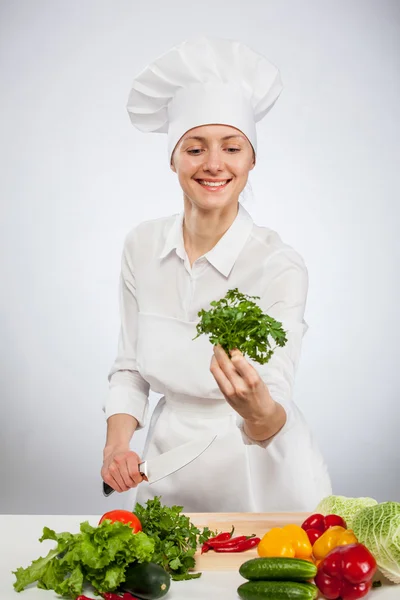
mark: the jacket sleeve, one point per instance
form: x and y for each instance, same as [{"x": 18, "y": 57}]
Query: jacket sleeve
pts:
[
  {"x": 128, "y": 392},
  {"x": 284, "y": 298}
]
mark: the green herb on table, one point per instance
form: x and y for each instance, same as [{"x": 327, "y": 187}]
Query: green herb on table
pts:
[
  {"x": 175, "y": 537},
  {"x": 97, "y": 555},
  {"x": 236, "y": 321}
]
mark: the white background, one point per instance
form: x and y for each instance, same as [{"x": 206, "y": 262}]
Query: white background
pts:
[{"x": 76, "y": 176}]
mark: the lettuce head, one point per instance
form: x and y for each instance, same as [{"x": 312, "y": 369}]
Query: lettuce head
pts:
[
  {"x": 378, "y": 528},
  {"x": 96, "y": 555}
]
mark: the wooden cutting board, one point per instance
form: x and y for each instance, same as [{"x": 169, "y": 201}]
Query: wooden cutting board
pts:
[{"x": 245, "y": 524}]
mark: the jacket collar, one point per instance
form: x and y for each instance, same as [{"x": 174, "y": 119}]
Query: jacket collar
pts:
[{"x": 224, "y": 254}]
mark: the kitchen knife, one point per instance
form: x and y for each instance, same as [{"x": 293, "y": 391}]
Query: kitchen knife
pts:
[{"x": 157, "y": 468}]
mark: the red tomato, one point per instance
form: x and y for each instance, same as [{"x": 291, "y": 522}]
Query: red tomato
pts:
[
  {"x": 334, "y": 520},
  {"x": 123, "y": 516},
  {"x": 313, "y": 535}
]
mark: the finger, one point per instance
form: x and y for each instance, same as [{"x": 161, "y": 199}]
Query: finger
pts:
[
  {"x": 110, "y": 480},
  {"x": 244, "y": 368},
  {"x": 132, "y": 462},
  {"x": 224, "y": 383},
  {"x": 115, "y": 474},
  {"x": 221, "y": 355},
  {"x": 227, "y": 367},
  {"x": 122, "y": 463}
]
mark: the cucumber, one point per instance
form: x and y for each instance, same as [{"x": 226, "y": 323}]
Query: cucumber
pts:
[
  {"x": 147, "y": 581},
  {"x": 277, "y": 590},
  {"x": 280, "y": 569}
]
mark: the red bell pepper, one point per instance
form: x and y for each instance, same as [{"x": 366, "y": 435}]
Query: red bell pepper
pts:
[
  {"x": 333, "y": 521},
  {"x": 322, "y": 523},
  {"x": 314, "y": 535},
  {"x": 346, "y": 572}
]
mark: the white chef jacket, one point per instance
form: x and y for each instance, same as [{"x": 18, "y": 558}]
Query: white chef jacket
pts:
[{"x": 161, "y": 295}]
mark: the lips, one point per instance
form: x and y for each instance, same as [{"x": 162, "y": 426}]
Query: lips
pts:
[{"x": 213, "y": 188}]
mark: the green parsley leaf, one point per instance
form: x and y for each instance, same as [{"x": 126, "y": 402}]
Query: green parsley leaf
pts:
[
  {"x": 235, "y": 321},
  {"x": 175, "y": 537}
]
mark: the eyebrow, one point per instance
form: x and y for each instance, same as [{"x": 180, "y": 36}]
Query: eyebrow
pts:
[{"x": 203, "y": 139}]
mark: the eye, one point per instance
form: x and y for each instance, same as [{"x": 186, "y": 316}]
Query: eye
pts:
[{"x": 197, "y": 151}]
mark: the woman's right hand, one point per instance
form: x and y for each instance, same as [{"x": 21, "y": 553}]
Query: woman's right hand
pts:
[{"x": 120, "y": 468}]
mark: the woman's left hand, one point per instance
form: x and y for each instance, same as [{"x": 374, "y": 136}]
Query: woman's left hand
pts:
[{"x": 241, "y": 385}]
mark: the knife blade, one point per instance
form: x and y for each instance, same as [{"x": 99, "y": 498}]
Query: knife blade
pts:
[{"x": 157, "y": 468}]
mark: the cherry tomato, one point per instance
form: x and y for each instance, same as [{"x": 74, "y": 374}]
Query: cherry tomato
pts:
[
  {"x": 123, "y": 516},
  {"x": 313, "y": 535},
  {"x": 333, "y": 520}
]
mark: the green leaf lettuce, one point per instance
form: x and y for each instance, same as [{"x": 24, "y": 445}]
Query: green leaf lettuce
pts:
[{"x": 97, "y": 555}]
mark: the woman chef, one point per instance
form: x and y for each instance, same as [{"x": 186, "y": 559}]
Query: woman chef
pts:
[{"x": 207, "y": 95}]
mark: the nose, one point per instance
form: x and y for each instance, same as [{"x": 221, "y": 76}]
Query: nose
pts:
[{"x": 213, "y": 161}]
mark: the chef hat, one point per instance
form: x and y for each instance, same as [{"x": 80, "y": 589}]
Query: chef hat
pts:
[{"x": 204, "y": 81}]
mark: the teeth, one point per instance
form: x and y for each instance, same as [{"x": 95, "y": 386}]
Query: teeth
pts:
[{"x": 213, "y": 183}]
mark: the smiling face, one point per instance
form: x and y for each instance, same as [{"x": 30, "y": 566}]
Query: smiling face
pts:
[{"x": 213, "y": 163}]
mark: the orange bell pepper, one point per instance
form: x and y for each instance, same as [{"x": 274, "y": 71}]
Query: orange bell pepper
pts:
[
  {"x": 333, "y": 537},
  {"x": 290, "y": 541}
]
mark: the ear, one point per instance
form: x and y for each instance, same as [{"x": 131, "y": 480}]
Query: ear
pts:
[{"x": 172, "y": 166}]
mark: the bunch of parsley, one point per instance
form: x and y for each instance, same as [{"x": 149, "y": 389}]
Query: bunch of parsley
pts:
[
  {"x": 175, "y": 537},
  {"x": 236, "y": 321}
]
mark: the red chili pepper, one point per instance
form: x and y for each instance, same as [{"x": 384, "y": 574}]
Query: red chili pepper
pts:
[
  {"x": 221, "y": 537},
  {"x": 346, "y": 572},
  {"x": 231, "y": 542},
  {"x": 111, "y": 596},
  {"x": 240, "y": 546},
  {"x": 214, "y": 544}
]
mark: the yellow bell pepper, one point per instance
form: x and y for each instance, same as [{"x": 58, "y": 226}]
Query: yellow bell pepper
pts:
[
  {"x": 332, "y": 537},
  {"x": 290, "y": 541}
]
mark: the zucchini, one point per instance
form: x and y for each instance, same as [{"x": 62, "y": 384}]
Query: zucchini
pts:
[
  {"x": 147, "y": 581},
  {"x": 280, "y": 569},
  {"x": 277, "y": 590}
]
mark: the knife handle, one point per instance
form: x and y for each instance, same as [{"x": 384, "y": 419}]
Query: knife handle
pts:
[{"x": 108, "y": 490}]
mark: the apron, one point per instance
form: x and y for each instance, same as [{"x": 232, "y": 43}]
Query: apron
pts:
[{"x": 233, "y": 474}]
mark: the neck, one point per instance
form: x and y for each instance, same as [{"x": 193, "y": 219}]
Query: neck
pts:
[{"x": 202, "y": 229}]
